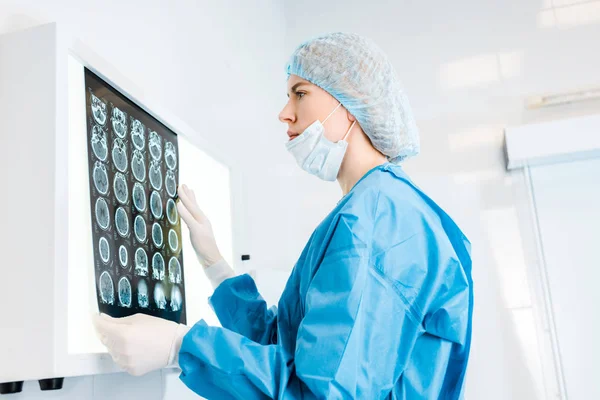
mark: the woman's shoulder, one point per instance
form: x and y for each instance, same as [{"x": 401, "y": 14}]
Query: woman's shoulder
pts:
[
  {"x": 385, "y": 200},
  {"x": 387, "y": 188}
]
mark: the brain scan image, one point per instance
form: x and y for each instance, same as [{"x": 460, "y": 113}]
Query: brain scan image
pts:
[
  {"x": 99, "y": 111},
  {"x": 156, "y": 205},
  {"x": 170, "y": 183},
  {"x": 139, "y": 197},
  {"x": 155, "y": 145},
  {"x": 158, "y": 267},
  {"x": 170, "y": 155},
  {"x": 155, "y": 175},
  {"x": 99, "y": 143},
  {"x": 141, "y": 262},
  {"x": 176, "y": 299},
  {"x": 139, "y": 229},
  {"x": 172, "y": 214},
  {"x": 157, "y": 235},
  {"x": 122, "y": 221},
  {"x": 104, "y": 250},
  {"x": 119, "y": 154},
  {"x": 100, "y": 176},
  {"x": 123, "y": 256},
  {"x": 132, "y": 177},
  {"x": 137, "y": 134},
  {"x": 102, "y": 214},
  {"x": 173, "y": 240},
  {"x": 174, "y": 270},
  {"x": 143, "y": 299},
  {"x": 120, "y": 188},
  {"x": 119, "y": 122},
  {"x": 138, "y": 166},
  {"x": 124, "y": 292},
  {"x": 107, "y": 289},
  {"x": 159, "y": 296}
]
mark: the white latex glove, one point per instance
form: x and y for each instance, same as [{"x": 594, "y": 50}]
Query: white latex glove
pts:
[
  {"x": 201, "y": 232},
  {"x": 140, "y": 343},
  {"x": 218, "y": 272}
]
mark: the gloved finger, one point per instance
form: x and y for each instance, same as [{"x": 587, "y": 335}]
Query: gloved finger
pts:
[
  {"x": 191, "y": 205},
  {"x": 109, "y": 342},
  {"x": 120, "y": 321},
  {"x": 109, "y": 330},
  {"x": 103, "y": 327},
  {"x": 140, "y": 318},
  {"x": 119, "y": 359},
  {"x": 186, "y": 216},
  {"x": 137, "y": 370},
  {"x": 191, "y": 194},
  {"x": 184, "y": 200},
  {"x": 183, "y": 191},
  {"x": 110, "y": 333}
]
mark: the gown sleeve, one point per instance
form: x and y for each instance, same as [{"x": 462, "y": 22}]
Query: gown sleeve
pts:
[{"x": 241, "y": 309}]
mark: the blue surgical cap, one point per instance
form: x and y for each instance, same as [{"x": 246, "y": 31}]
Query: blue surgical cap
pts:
[{"x": 359, "y": 75}]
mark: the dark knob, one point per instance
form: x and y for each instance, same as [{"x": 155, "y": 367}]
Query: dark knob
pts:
[
  {"x": 11, "y": 387},
  {"x": 51, "y": 384}
]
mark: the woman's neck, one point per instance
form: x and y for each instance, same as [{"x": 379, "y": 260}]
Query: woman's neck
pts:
[{"x": 354, "y": 168}]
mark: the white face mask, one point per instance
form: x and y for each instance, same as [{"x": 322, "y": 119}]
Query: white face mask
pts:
[{"x": 317, "y": 155}]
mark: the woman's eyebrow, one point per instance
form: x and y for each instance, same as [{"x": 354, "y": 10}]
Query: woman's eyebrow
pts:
[{"x": 293, "y": 89}]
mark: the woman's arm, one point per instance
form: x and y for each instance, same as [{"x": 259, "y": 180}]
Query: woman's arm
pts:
[
  {"x": 241, "y": 309},
  {"x": 348, "y": 343}
]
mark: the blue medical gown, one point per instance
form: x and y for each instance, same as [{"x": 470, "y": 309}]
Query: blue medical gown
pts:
[{"x": 379, "y": 306}]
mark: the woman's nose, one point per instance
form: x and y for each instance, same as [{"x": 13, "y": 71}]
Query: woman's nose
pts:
[{"x": 287, "y": 115}]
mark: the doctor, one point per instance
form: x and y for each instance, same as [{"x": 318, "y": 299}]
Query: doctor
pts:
[{"x": 379, "y": 304}]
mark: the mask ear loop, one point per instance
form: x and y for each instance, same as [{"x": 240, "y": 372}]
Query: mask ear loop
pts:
[
  {"x": 331, "y": 113},
  {"x": 347, "y": 133}
]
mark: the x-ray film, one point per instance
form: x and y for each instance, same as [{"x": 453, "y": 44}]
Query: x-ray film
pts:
[{"x": 136, "y": 230}]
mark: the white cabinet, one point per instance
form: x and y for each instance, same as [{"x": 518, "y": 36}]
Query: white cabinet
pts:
[{"x": 47, "y": 289}]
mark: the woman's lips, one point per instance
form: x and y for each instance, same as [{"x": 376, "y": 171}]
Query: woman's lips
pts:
[{"x": 292, "y": 135}]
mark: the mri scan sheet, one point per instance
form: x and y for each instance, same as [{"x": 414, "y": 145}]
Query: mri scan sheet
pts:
[{"x": 136, "y": 230}]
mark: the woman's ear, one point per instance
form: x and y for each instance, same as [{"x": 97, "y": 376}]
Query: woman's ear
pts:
[{"x": 350, "y": 117}]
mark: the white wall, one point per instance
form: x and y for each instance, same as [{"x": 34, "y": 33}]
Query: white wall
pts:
[
  {"x": 467, "y": 67},
  {"x": 217, "y": 65}
]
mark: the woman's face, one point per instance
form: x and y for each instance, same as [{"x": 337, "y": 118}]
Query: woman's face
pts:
[{"x": 308, "y": 103}]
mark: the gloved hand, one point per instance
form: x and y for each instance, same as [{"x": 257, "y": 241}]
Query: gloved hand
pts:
[
  {"x": 201, "y": 232},
  {"x": 140, "y": 343}
]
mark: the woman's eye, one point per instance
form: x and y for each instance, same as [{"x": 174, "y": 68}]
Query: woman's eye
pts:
[{"x": 300, "y": 94}]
